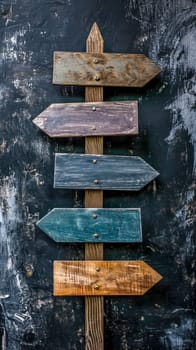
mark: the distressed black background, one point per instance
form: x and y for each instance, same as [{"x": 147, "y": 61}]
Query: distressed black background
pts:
[{"x": 164, "y": 30}]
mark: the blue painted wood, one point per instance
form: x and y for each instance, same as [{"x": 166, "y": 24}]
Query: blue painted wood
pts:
[
  {"x": 84, "y": 171},
  {"x": 92, "y": 225}
]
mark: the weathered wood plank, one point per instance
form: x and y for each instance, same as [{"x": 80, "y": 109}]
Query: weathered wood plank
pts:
[
  {"x": 103, "y": 69},
  {"x": 92, "y": 225},
  {"x": 94, "y": 306},
  {"x": 79, "y": 171},
  {"x": 89, "y": 119},
  {"x": 103, "y": 278}
]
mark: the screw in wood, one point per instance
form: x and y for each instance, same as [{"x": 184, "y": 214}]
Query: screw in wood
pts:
[
  {"x": 94, "y": 216},
  {"x": 94, "y": 108},
  {"x": 93, "y": 128},
  {"x": 96, "y": 287},
  {"x": 96, "y": 182},
  {"x": 98, "y": 269},
  {"x": 95, "y": 60},
  {"x": 94, "y": 161},
  {"x": 97, "y": 78},
  {"x": 96, "y": 235}
]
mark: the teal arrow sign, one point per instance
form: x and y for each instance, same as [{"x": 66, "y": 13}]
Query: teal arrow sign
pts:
[
  {"x": 92, "y": 225},
  {"x": 102, "y": 172}
]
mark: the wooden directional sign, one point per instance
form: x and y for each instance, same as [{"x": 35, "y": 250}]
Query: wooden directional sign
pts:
[
  {"x": 103, "y": 69},
  {"x": 92, "y": 225},
  {"x": 85, "y": 171},
  {"x": 103, "y": 278},
  {"x": 89, "y": 119}
]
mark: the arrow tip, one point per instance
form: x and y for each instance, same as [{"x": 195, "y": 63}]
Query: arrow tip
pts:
[
  {"x": 95, "y": 39},
  {"x": 152, "y": 277}
]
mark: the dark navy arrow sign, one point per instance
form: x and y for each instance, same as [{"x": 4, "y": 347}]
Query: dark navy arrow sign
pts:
[
  {"x": 92, "y": 225},
  {"x": 84, "y": 171}
]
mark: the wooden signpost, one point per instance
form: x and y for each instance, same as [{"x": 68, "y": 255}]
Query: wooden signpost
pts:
[{"x": 95, "y": 172}]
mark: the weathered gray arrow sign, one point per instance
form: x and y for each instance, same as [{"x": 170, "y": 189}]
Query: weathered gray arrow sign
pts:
[
  {"x": 89, "y": 119},
  {"x": 85, "y": 171},
  {"x": 103, "y": 69},
  {"x": 92, "y": 225}
]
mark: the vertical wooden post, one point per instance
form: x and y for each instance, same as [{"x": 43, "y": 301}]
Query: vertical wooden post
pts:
[{"x": 94, "y": 306}]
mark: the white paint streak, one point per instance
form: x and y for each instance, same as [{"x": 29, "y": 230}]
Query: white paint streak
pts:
[
  {"x": 9, "y": 217},
  {"x": 41, "y": 148},
  {"x": 4, "y": 94},
  {"x": 181, "y": 62},
  {"x": 174, "y": 337},
  {"x": 172, "y": 45},
  {"x": 13, "y": 45},
  {"x": 182, "y": 107},
  {"x": 12, "y": 281},
  {"x": 41, "y": 303}
]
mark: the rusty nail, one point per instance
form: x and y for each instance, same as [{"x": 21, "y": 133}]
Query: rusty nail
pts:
[
  {"x": 97, "y": 269},
  {"x": 94, "y": 161},
  {"x": 96, "y": 287},
  {"x": 94, "y": 108},
  {"x": 94, "y": 216},
  {"x": 29, "y": 270},
  {"x": 96, "y": 235}
]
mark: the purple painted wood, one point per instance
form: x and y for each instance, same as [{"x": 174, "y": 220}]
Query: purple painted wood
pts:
[{"x": 89, "y": 119}]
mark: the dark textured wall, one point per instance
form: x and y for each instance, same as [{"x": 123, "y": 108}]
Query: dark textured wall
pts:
[{"x": 164, "y": 30}]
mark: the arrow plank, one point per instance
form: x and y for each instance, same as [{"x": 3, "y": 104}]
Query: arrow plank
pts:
[
  {"x": 85, "y": 171},
  {"x": 103, "y": 69},
  {"x": 77, "y": 278},
  {"x": 89, "y": 119},
  {"x": 92, "y": 225}
]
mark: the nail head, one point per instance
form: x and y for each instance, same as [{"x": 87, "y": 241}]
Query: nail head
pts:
[
  {"x": 97, "y": 78},
  {"x": 96, "y": 235},
  {"x": 29, "y": 270}
]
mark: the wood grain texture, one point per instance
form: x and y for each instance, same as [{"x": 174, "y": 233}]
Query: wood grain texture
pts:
[
  {"x": 92, "y": 225},
  {"x": 103, "y": 278},
  {"x": 102, "y": 172},
  {"x": 103, "y": 69},
  {"x": 94, "y": 306},
  {"x": 89, "y": 119}
]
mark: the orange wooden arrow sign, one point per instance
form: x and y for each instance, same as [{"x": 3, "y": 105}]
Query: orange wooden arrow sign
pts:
[{"x": 82, "y": 278}]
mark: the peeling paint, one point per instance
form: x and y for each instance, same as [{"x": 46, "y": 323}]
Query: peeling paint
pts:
[
  {"x": 174, "y": 336},
  {"x": 13, "y": 45},
  {"x": 172, "y": 46}
]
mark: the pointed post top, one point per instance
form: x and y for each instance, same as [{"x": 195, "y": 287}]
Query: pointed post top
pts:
[{"x": 94, "y": 42}]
